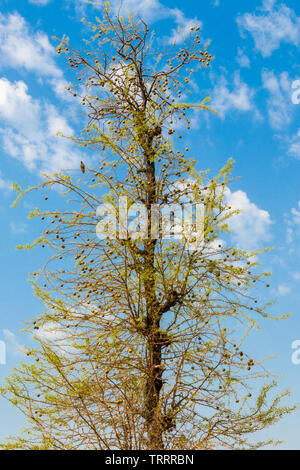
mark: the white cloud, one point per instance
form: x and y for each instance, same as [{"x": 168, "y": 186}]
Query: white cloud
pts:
[
  {"x": 5, "y": 185},
  {"x": 12, "y": 344},
  {"x": 40, "y": 3},
  {"x": 296, "y": 276},
  {"x": 153, "y": 10},
  {"x": 51, "y": 332},
  {"x": 289, "y": 235},
  {"x": 292, "y": 221},
  {"x": 184, "y": 26},
  {"x": 150, "y": 11},
  {"x": 17, "y": 108},
  {"x": 57, "y": 123},
  {"x": 281, "y": 109},
  {"x": 18, "y": 228},
  {"x": 279, "y": 103},
  {"x": 28, "y": 130},
  {"x": 242, "y": 59},
  {"x": 294, "y": 148},
  {"x": 21, "y": 48},
  {"x": 292, "y": 227},
  {"x": 59, "y": 86},
  {"x": 268, "y": 4},
  {"x": 295, "y": 215},
  {"x": 270, "y": 26},
  {"x": 283, "y": 289},
  {"x": 57, "y": 336},
  {"x": 239, "y": 97},
  {"x": 251, "y": 227}
]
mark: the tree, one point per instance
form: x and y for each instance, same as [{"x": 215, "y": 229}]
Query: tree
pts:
[{"x": 143, "y": 351}]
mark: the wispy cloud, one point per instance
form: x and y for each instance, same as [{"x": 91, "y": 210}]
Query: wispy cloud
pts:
[
  {"x": 237, "y": 96},
  {"x": 270, "y": 26},
  {"x": 5, "y": 185},
  {"x": 57, "y": 336},
  {"x": 13, "y": 346},
  {"x": 292, "y": 222},
  {"x": 40, "y": 3},
  {"x": 284, "y": 289},
  {"x": 184, "y": 26},
  {"x": 294, "y": 148},
  {"x": 18, "y": 228},
  {"x": 280, "y": 107},
  {"x": 150, "y": 11},
  {"x": 242, "y": 59}
]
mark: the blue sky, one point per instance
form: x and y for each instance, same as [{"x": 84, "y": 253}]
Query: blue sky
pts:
[{"x": 256, "y": 48}]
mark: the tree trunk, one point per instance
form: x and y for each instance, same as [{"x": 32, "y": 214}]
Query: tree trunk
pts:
[{"x": 154, "y": 365}]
